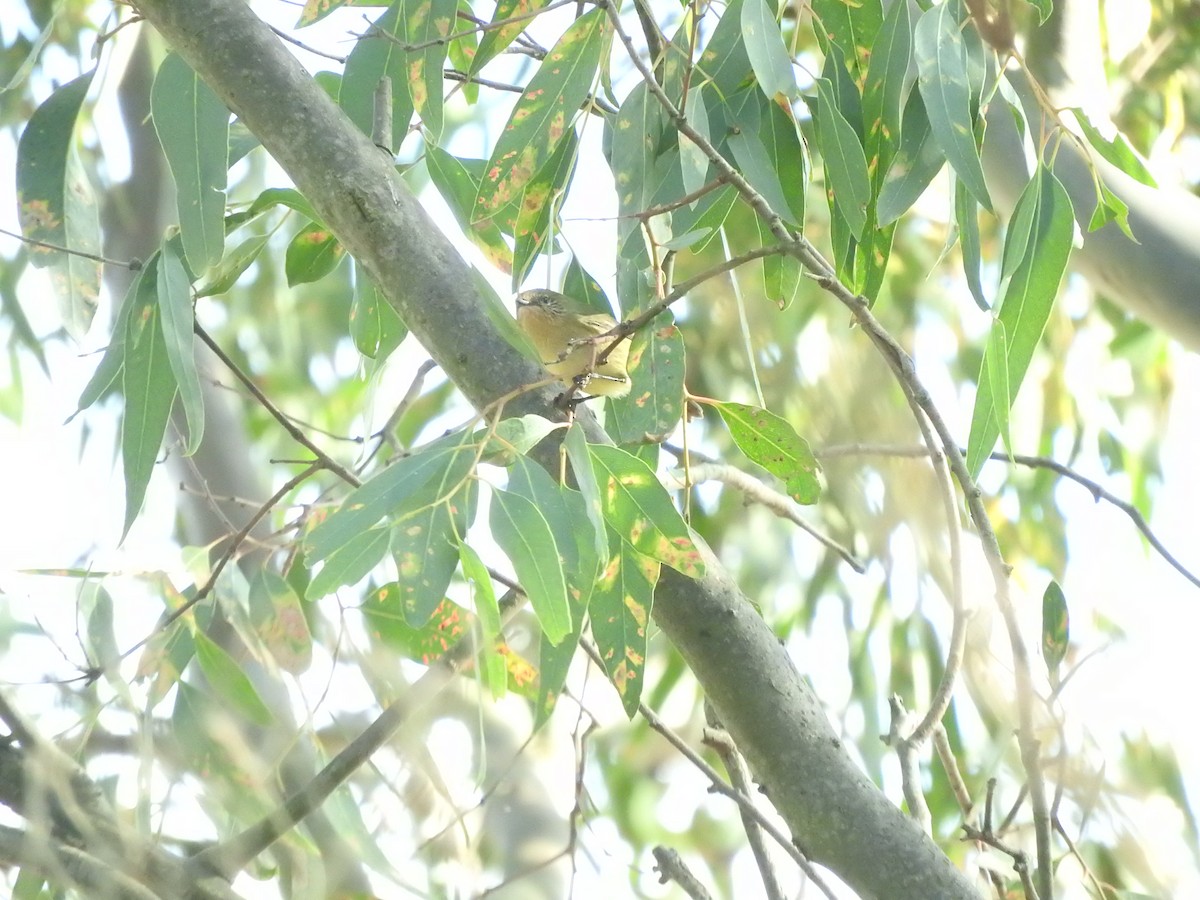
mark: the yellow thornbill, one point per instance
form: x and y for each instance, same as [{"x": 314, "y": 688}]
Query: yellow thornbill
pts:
[{"x": 552, "y": 321}]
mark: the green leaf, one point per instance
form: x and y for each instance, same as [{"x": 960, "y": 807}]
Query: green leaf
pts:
[
  {"x": 543, "y": 115},
  {"x": 112, "y": 364},
  {"x": 193, "y": 129},
  {"x": 289, "y": 197},
  {"x": 942, "y": 69},
  {"x": 693, "y": 162},
  {"x": 1110, "y": 208},
  {"x": 915, "y": 164},
  {"x": 475, "y": 573},
  {"x": 589, "y": 487},
  {"x": 387, "y": 492},
  {"x": 761, "y": 147},
  {"x": 539, "y": 200},
  {"x": 883, "y": 92},
  {"x": 845, "y": 162},
  {"x": 56, "y": 204},
  {"x": 636, "y": 138},
  {"x": 178, "y": 320},
  {"x": 1036, "y": 250},
  {"x": 850, "y": 26},
  {"x": 525, "y": 536},
  {"x": 768, "y": 56},
  {"x": 426, "y": 537},
  {"x": 513, "y": 438},
  {"x": 1117, "y": 150},
  {"x": 1056, "y": 628},
  {"x": 620, "y": 613},
  {"x": 996, "y": 369},
  {"x": 456, "y": 182},
  {"x": 149, "y": 388},
  {"x": 386, "y": 622},
  {"x": 313, "y": 253},
  {"x": 966, "y": 215},
  {"x": 639, "y": 509},
  {"x": 278, "y": 619},
  {"x": 427, "y": 22},
  {"x": 654, "y": 404},
  {"x": 228, "y": 680},
  {"x": 233, "y": 264},
  {"x": 379, "y": 54},
  {"x": 510, "y": 19},
  {"x": 350, "y": 563},
  {"x": 375, "y": 326},
  {"x": 773, "y": 443}
]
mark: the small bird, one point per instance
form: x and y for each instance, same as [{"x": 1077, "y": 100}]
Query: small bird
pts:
[{"x": 552, "y": 321}]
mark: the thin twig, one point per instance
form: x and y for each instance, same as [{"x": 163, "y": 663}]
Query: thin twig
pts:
[
  {"x": 299, "y": 436},
  {"x": 134, "y": 265}
]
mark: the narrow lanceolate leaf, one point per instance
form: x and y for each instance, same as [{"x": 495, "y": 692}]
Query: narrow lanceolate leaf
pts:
[
  {"x": 966, "y": 215},
  {"x": 768, "y": 56},
  {"x": 113, "y": 362},
  {"x": 511, "y": 18},
  {"x": 773, "y": 443},
  {"x": 850, "y": 26},
  {"x": 543, "y": 114},
  {"x": 427, "y": 22},
  {"x": 56, "y": 205},
  {"x": 915, "y": 164},
  {"x": 193, "y": 128},
  {"x": 620, "y": 612},
  {"x": 375, "y": 326},
  {"x": 1117, "y": 150},
  {"x": 654, "y": 405},
  {"x": 491, "y": 670},
  {"x": 458, "y": 183},
  {"x": 178, "y": 320},
  {"x": 425, "y": 540},
  {"x": 1056, "y": 628},
  {"x": 845, "y": 161},
  {"x": 883, "y": 93},
  {"x": 229, "y": 681},
  {"x": 589, "y": 487},
  {"x": 379, "y": 54},
  {"x": 639, "y": 509},
  {"x": 524, "y": 535},
  {"x": 1039, "y": 237},
  {"x": 996, "y": 370},
  {"x": 350, "y": 563},
  {"x": 942, "y": 69},
  {"x": 278, "y": 619},
  {"x": 149, "y": 388},
  {"x": 539, "y": 200},
  {"x": 387, "y": 492}
]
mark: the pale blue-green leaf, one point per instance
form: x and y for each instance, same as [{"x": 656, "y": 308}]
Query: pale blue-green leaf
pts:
[
  {"x": 475, "y": 573},
  {"x": 945, "y": 87},
  {"x": 692, "y": 160},
  {"x": 149, "y": 389},
  {"x": 350, "y": 563},
  {"x": 581, "y": 464},
  {"x": 844, "y": 161},
  {"x": 768, "y": 55},
  {"x": 193, "y": 129},
  {"x": 376, "y": 55},
  {"x": 1116, "y": 150},
  {"x": 524, "y": 535},
  {"x": 966, "y": 216},
  {"x": 228, "y": 680},
  {"x": 1028, "y": 297},
  {"x": 996, "y": 359},
  {"x": 178, "y": 323}
]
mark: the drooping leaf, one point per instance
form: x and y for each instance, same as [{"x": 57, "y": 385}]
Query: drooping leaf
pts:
[
  {"x": 524, "y": 535},
  {"x": 654, "y": 404},
  {"x": 966, "y": 215},
  {"x": 1116, "y": 150},
  {"x": 278, "y": 619},
  {"x": 944, "y": 79},
  {"x": 178, "y": 320},
  {"x": 768, "y": 55},
  {"x": 851, "y": 27},
  {"x": 487, "y": 610},
  {"x": 375, "y": 326},
  {"x": 313, "y": 253},
  {"x": 845, "y": 161},
  {"x": 56, "y": 204},
  {"x": 379, "y": 54},
  {"x": 620, "y": 613},
  {"x": 193, "y": 128},
  {"x": 149, "y": 388},
  {"x": 914, "y": 166},
  {"x": 455, "y": 180},
  {"x": 350, "y": 563},
  {"x": 427, "y": 23},
  {"x": 1036, "y": 250},
  {"x": 589, "y": 487}
]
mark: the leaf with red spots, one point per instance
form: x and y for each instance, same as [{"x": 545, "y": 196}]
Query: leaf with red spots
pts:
[
  {"x": 773, "y": 443},
  {"x": 640, "y": 510},
  {"x": 620, "y": 611},
  {"x": 543, "y": 115}
]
